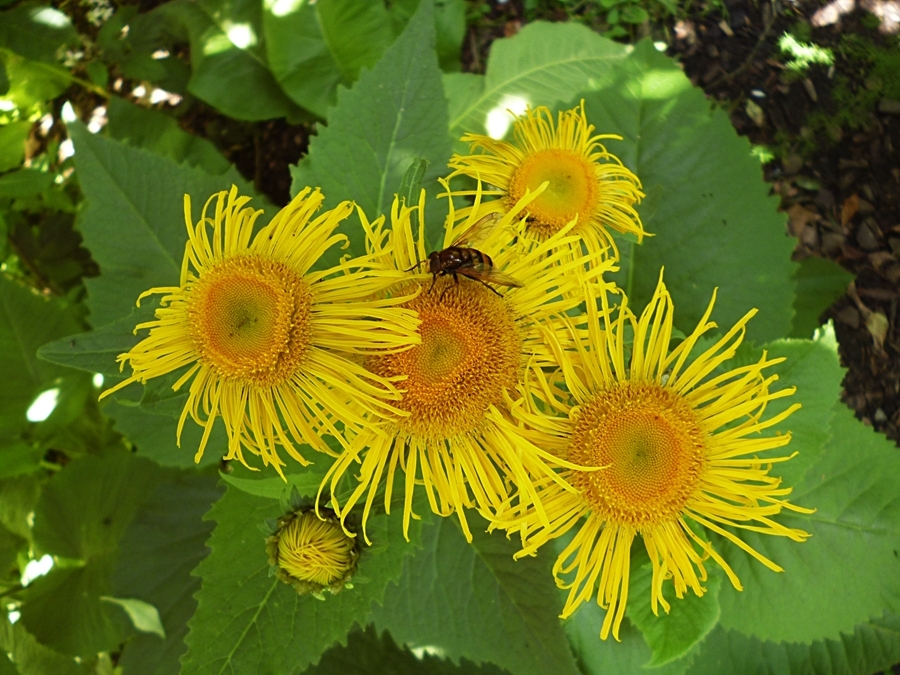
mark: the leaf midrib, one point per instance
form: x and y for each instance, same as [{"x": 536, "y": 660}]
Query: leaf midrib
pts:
[{"x": 489, "y": 93}]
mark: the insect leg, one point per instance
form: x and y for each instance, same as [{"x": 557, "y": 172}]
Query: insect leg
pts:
[
  {"x": 484, "y": 283},
  {"x": 416, "y": 266}
]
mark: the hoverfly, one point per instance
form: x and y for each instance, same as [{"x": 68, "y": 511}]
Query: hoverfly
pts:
[{"x": 459, "y": 259}]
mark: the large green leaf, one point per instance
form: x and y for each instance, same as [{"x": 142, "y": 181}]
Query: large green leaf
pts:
[
  {"x": 871, "y": 647},
  {"x": 475, "y": 601},
  {"x": 363, "y": 157},
  {"x": 39, "y": 33},
  {"x": 313, "y": 48},
  {"x": 81, "y": 515},
  {"x": 544, "y": 64},
  {"x": 250, "y": 622},
  {"x": 848, "y": 572},
  {"x": 228, "y": 59},
  {"x": 162, "y": 545},
  {"x": 368, "y": 654},
  {"x": 134, "y": 220},
  {"x": 713, "y": 221}
]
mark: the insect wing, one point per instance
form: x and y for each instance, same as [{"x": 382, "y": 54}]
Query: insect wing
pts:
[
  {"x": 490, "y": 275},
  {"x": 477, "y": 231}
]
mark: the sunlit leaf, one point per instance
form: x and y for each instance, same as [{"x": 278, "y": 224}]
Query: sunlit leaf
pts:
[{"x": 364, "y": 157}]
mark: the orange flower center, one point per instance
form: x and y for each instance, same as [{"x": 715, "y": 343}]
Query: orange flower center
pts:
[
  {"x": 250, "y": 319},
  {"x": 651, "y": 443},
  {"x": 571, "y": 191},
  {"x": 471, "y": 351}
]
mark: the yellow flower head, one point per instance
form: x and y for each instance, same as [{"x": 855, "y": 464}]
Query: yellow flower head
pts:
[
  {"x": 675, "y": 443},
  {"x": 269, "y": 345},
  {"x": 585, "y": 183},
  {"x": 312, "y": 554},
  {"x": 476, "y": 339}
]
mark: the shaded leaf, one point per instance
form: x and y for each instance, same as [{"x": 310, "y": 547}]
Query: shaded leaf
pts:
[
  {"x": 819, "y": 283},
  {"x": 475, "y": 601},
  {"x": 689, "y": 158},
  {"x": 81, "y": 515},
  {"x": 144, "y": 616},
  {"x": 156, "y": 131},
  {"x": 12, "y": 142},
  {"x": 228, "y": 64},
  {"x": 27, "y": 320},
  {"x": 315, "y": 47},
  {"x": 39, "y": 33},
  {"x": 159, "y": 549},
  {"x": 154, "y": 436},
  {"x": 24, "y": 182},
  {"x": 368, "y": 654},
  {"x": 96, "y": 351},
  {"x": 30, "y": 656},
  {"x": 32, "y": 82},
  {"x": 871, "y": 647}
]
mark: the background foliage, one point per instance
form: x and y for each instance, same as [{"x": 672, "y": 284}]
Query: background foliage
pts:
[{"x": 158, "y": 564}]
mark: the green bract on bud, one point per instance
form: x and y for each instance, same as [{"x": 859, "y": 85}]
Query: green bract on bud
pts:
[{"x": 312, "y": 553}]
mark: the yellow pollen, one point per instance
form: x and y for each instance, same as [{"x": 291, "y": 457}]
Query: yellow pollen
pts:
[
  {"x": 650, "y": 441},
  {"x": 314, "y": 550},
  {"x": 249, "y": 319},
  {"x": 571, "y": 191},
  {"x": 470, "y": 352}
]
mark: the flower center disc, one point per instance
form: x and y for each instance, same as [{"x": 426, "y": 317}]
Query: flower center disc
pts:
[
  {"x": 571, "y": 190},
  {"x": 653, "y": 447},
  {"x": 249, "y": 318},
  {"x": 470, "y": 352}
]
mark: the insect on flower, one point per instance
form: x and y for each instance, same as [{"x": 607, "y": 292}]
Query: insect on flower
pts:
[{"x": 458, "y": 258}]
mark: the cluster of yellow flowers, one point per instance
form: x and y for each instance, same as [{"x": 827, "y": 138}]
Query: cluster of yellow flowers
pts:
[{"x": 504, "y": 372}]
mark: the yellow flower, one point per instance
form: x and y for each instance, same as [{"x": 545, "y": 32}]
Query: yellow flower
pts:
[
  {"x": 312, "y": 554},
  {"x": 476, "y": 340},
  {"x": 269, "y": 345},
  {"x": 677, "y": 442},
  {"x": 584, "y": 181}
]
